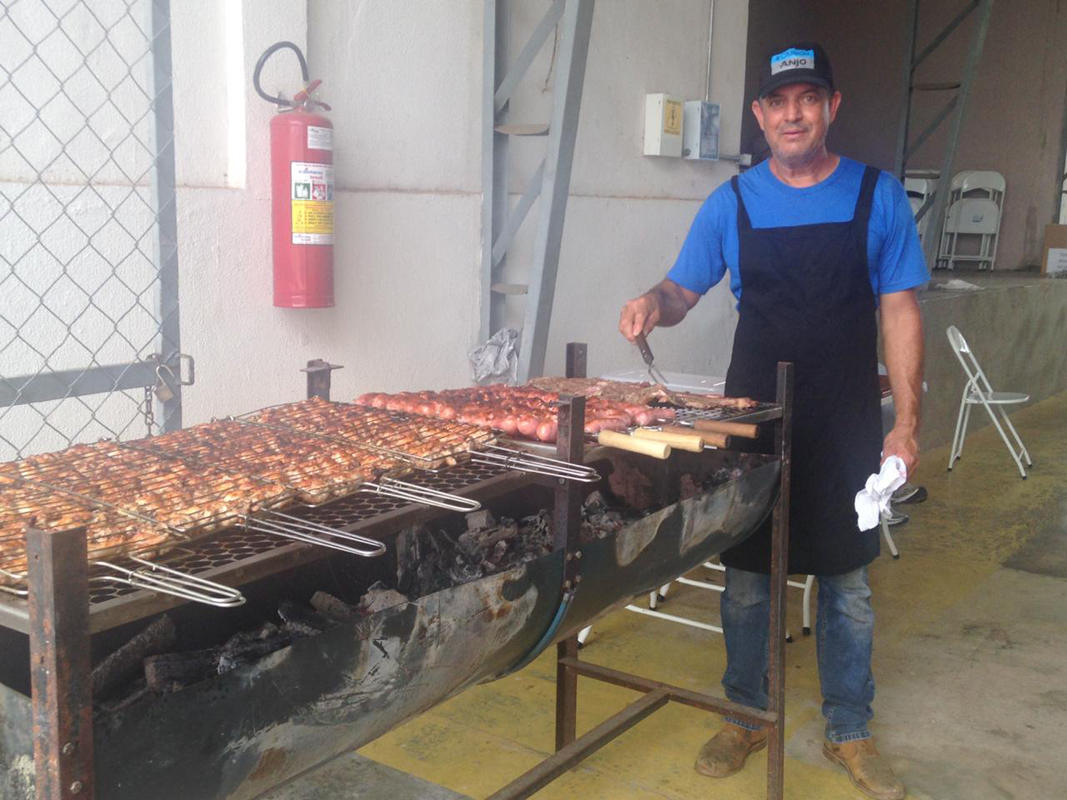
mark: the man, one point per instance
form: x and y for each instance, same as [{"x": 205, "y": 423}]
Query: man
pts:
[{"x": 815, "y": 244}]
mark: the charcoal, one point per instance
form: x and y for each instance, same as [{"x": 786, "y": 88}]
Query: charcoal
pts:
[
  {"x": 378, "y": 598},
  {"x": 480, "y": 520},
  {"x": 428, "y": 561},
  {"x": 474, "y": 543},
  {"x": 133, "y": 693},
  {"x": 117, "y": 669},
  {"x": 631, "y": 486},
  {"x": 420, "y": 570},
  {"x": 170, "y": 672},
  {"x": 688, "y": 487},
  {"x": 495, "y": 557},
  {"x": 248, "y": 647},
  {"x": 301, "y": 621},
  {"x": 463, "y": 571},
  {"x": 595, "y": 503},
  {"x": 333, "y": 607}
]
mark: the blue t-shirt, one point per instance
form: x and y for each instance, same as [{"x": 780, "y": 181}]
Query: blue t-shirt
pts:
[{"x": 894, "y": 256}]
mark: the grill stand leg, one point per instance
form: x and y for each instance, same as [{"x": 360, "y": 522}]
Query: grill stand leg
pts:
[
  {"x": 59, "y": 665},
  {"x": 779, "y": 575},
  {"x": 569, "y": 447},
  {"x": 571, "y": 750}
]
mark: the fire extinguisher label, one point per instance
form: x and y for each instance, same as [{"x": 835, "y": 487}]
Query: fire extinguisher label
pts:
[
  {"x": 312, "y": 202},
  {"x": 320, "y": 138}
]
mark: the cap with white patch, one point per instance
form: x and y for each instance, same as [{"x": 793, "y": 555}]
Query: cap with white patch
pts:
[{"x": 800, "y": 62}]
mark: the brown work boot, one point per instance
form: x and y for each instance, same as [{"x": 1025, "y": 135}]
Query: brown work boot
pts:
[
  {"x": 726, "y": 751},
  {"x": 867, "y": 768}
]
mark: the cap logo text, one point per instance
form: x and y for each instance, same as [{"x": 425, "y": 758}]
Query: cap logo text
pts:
[{"x": 792, "y": 59}]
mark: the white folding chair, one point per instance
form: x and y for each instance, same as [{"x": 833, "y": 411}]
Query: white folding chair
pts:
[
  {"x": 975, "y": 209},
  {"x": 916, "y": 206},
  {"x": 978, "y": 391}
]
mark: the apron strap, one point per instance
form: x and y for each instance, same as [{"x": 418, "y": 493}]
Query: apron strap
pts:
[
  {"x": 861, "y": 216},
  {"x": 865, "y": 201},
  {"x": 743, "y": 222}
]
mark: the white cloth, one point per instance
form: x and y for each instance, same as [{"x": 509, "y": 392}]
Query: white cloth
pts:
[{"x": 873, "y": 500}]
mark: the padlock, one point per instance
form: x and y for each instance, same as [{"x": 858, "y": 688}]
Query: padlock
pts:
[
  {"x": 163, "y": 393},
  {"x": 162, "y": 390}
]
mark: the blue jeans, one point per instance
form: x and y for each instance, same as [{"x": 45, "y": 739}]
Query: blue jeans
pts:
[{"x": 845, "y": 637}]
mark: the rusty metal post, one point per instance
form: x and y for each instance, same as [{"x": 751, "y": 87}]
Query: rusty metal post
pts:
[
  {"x": 567, "y": 519},
  {"x": 566, "y": 678},
  {"x": 319, "y": 372},
  {"x": 576, "y": 364},
  {"x": 779, "y": 575},
  {"x": 59, "y": 665}
]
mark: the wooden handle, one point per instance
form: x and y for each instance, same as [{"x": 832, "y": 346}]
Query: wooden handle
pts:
[
  {"x": 710, "y": 439},
  {"x": 646, "y": 447},
  {"x": 683, "y": 441},
  {"x": 743, "y": 429}
]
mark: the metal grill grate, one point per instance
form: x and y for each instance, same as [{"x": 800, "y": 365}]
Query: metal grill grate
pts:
[
  {"x": 88, "y": 257},
  {"x": 231, "y": 546},
  {"x": 690, "y": 414}
]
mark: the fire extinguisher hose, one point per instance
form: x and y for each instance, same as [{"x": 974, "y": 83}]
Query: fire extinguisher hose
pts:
[{"x": 278, "y": 101}]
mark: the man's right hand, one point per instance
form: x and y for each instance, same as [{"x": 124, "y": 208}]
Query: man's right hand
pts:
[
  {"x": 640, "y": 315},
  {"x": 665, "y": 304}
]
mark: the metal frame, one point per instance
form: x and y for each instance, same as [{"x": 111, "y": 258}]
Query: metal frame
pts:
[
  {"x": 550, "y": 182},
  {"x": 164, "y": 194},
  {"x": 571, "y": 749},
  {"x": 937, "y": 203},
  {"x": 60, "y": 630}
]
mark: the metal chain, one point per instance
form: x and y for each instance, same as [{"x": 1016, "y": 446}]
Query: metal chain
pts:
[{"x": 149, "y": 410}]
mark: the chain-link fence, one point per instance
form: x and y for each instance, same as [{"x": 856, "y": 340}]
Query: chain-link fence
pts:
[{"x": 88, "y": 257}]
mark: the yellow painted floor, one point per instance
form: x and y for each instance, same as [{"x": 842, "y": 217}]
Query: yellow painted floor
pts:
[{"x": 969, "y": 662}]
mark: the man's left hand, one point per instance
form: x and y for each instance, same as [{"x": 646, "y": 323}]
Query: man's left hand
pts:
[{"x": 902, "y": 442}]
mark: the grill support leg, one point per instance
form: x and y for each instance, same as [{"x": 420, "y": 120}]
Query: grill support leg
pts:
[
  {"x": 59, "y": 665},
  {"x": 567, "y": 513},
  {"x": 570, "y": 749},
  {"x": 569, "y": 447},
  {"x": 779, "y": 575}
]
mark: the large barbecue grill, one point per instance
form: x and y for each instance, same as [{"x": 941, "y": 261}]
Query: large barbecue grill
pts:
[{"x": 257, "y": 726}]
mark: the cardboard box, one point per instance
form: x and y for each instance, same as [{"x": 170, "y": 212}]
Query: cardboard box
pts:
[{"x": 1055, "y": 260}]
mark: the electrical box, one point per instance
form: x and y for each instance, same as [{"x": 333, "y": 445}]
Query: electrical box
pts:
[
  {"x": 663, "y": 125},
  {"x": 700, "y": 131}
]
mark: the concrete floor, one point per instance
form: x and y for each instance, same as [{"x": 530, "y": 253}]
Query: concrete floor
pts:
[{"x": 969, "y": 662}]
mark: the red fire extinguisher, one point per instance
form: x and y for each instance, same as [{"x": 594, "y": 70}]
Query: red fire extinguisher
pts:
[{"x": 301, "y": 169}]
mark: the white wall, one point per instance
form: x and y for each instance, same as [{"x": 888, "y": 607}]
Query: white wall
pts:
[{"x": 404, "y": 80}]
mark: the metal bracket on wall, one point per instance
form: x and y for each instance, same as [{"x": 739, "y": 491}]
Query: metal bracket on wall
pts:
[
  {"x": 550, "y": 182},
  {"x": 936, "y": 204}
]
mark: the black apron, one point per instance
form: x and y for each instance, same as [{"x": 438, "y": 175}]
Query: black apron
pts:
[{"x": 806, "y": 297}]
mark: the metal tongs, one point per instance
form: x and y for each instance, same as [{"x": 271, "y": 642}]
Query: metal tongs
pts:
[
  {"x": 402, "y": 490},
  {"x": 15, "y": 590},
  {"x": 150, "y": 576},
  {"x": 646, "y": 354},
  {"x": 287, "y": 526},
  {"x": 522, "y": 461}
]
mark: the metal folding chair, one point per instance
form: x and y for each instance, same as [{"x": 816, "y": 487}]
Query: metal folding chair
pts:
[
  {"x": 978, "y": 391},
  {"x": 976, "y": 205}
]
